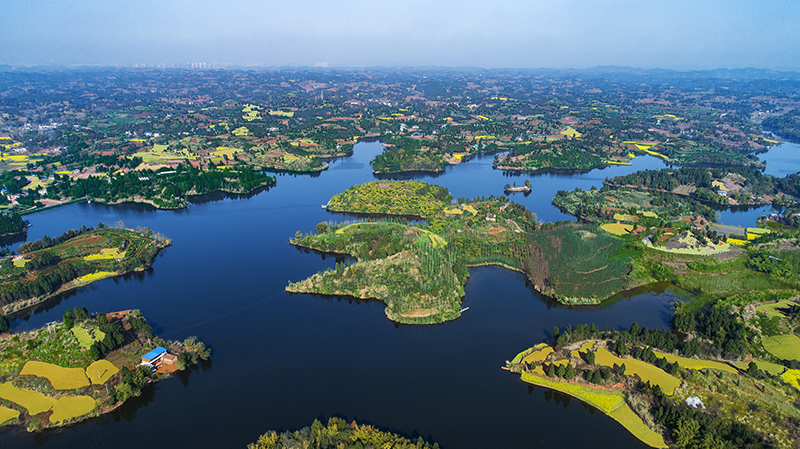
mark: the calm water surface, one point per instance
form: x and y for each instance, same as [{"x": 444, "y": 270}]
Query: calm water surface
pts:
[{"x": 279, "y": 361}]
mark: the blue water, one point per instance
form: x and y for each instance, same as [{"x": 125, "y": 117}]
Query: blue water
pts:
[{"x": 279, "y": 361}]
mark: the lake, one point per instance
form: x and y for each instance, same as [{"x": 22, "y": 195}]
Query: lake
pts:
[{"x": 279, "y": 361}]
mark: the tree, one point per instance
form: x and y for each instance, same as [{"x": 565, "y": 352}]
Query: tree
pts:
[
  {"x": 590, "y": 357},
  {"x": 298, "y": 234},
  {"x": 68, "y": 319},
  {"x": 569, "y": 372},
  {"x": 4, "y": 324}
]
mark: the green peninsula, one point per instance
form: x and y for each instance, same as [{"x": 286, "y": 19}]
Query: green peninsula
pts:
[
  {"x": 420, "y": 272},
  {"x": 42, "y": 269},
  {"x": 84, "y": 366},
  {"x": 721, "y": 358}
]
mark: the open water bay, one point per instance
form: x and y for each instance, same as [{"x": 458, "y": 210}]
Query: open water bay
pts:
[{"x": 279, "y": 361}]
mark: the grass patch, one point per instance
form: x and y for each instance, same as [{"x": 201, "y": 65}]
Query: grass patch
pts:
[
  {"x": 631, "y": 421},
  {"x": 772, "y": 368},
  {"x": 772, "y": 309},
  {"x": 7, "y": 414},
  {"x": 101, "y": 371},
  {"x": 784, "y": 347},
  {"x": 33, "y": 401},
  {"x": 696, "y": 363},
  {"x": 85, "y": 338},
  {"x": 61, "y": 378},
  {"x": 71, "y": 407},
  {"x": 645, "y": 371}
]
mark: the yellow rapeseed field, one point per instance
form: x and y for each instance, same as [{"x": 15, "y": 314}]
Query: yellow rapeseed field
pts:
[
  {"x": 96, "y": 276},
  {"x": 106, "y": 253},
  {"x": 71, "y": 407},
  {"x": 606, "y": 401},
  {"x": 100, "y": 371},
  {"x": 696, "y": 363},
  {"x": 617, "y": 228},
  {"x": 631, "y": 421},
  {"x": 792, "y": 376},
  {"x": 645, "y": 371},
  {"x": 7, "y": 414},
  {"x": 61, "y": 378},
  {"x": 538, "y": 355},
  {"x": 33, "y": 401}
]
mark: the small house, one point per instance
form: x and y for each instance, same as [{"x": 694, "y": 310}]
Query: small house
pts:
[{"x": 154, "y": 356}]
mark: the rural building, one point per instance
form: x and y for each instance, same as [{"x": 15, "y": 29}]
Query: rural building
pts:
[
  {"x": 154, "y": 356},
  {"x": 158, "y": 358}
]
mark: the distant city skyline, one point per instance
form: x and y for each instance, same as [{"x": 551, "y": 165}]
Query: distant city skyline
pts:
[{"x": 679, "y": 35}]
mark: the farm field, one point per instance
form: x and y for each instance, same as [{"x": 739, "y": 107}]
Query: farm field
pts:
[
  {"x": 33, "y": 401},
  {"x": 106, "y": 253},
  {"x": 643, "y": 370},
  {"x": 538, "y": 355},
  {"x": 606, "y": 401},
  {"x": 61, "y": 378},
  {"x": 631, "y": 421},
  {"x": 7, "y": 414},
  {"x": 696, "y": 363},
  {"x": 100, "y": 371},
  {"x": 97, "y": 276},
  {"x": 785, "y": 347},
  {"x": 617, "y": 228},
  {"x": 792, "y": 376},
  {"x": 71, "y": 407}
]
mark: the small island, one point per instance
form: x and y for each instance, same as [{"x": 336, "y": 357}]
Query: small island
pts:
[
  {"x": 43, "y": 269},
  {"x": 84, "y": 366},
  {"x": 340, "y": 434}
]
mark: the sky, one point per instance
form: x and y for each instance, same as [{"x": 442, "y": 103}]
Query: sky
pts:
[{"x": 671, "y": 34}]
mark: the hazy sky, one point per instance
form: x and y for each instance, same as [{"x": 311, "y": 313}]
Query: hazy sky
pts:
[{"x": 677, "y": 34}]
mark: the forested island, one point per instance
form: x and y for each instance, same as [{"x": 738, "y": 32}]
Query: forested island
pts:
[
  {"x": 42, "y": 269},
  {"x": 84, "y": 366},
  {"x": 340, "y": 434}
]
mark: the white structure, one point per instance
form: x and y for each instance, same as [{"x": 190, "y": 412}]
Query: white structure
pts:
[{"x": 695, "y": 402}]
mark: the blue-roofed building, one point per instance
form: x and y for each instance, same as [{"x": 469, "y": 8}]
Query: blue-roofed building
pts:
[{"x": 153, "y": 356}]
